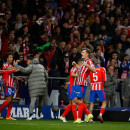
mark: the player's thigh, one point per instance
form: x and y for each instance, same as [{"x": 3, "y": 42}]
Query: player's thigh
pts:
[
  {"x": 80, "y": 91},
  {"x": 92, "y": 96},
  {"x": 9, "y": 91},
  {"x": 101, "y": 95},
  {"x": 71, "y": 91}
]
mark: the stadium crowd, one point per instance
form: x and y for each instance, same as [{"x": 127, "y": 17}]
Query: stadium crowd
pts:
[{"x": 55, "y": 31}]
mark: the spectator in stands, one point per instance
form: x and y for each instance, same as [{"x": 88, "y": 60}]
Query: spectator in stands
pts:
[
  {"x": 12, "y": 49},
  {"x": 64, "y": 66},
  {"x": 111, "y": 26},
  {"x": 18, "y": 44},
  {"x": 98, "y": 47},
  {"x": 125, "y": 66},
  {"x": 63, "y": 95},
  {"x": 101, "y": 43},
  {"x": 126, "y": 91},
  {"x": 19, "y": 20},
  {"x": 48, "y": 55},
  {"x": 119, "y": 51},
  {"x": 57, "y": 35},
  {"x": 95, "y": 28},
  {"x": 117, "y": 63},
  {"x": 54, "y": 72},
  {"x": 110, "y": 86},
  {"x": 98, "y": 56},
  {"x": 75, "y": 55},
  {"x": 88, "y": 45},
  {"x": 124, "y": 42},
  {"x": 49, "y": 15}
]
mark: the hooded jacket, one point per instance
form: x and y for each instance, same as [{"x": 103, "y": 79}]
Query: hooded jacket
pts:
[{"x": 37, "y": 80}]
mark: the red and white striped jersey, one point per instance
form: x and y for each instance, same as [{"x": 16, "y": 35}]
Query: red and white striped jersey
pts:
[
  {"x": 97, "y": 79},
  {"x": 8, "y": 77},
  {"x": 84, "y": 72},
  {"x": 73, "y": 80}
]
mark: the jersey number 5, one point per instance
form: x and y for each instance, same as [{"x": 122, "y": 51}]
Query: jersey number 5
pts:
[{"x": 95, "y": 77}]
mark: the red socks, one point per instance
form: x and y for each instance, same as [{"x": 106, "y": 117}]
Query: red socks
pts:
[
  {"x": 102, "y": 111},
  {"x": 5, "y": 103},
  {"x": 74, "y": 111},
  {"x": 9, "y": 109},
  {"x": 68, "y": 108},
  {"x": 80, "y": 110},
  {"x": 86, "y": 110}
]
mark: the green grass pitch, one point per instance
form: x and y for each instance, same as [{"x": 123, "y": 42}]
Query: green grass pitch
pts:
[{"x": 59, "y": 125}]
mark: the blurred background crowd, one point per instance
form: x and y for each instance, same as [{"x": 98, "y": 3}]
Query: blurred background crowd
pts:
[{"x": 55, "y": 31}]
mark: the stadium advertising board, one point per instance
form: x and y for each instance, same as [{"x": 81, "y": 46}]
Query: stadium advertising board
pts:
[{"x": 22, "y": 112}]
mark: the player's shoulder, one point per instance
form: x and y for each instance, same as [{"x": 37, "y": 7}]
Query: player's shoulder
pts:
[
  {"x": 5, "y": 64},
  {"x": 88, "y": 61},
  {"x": 73, "y": 68},
  {"x": 103, "y": 69}
]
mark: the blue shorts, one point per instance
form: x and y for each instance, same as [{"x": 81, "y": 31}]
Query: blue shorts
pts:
[
  {"x": 71, "y": 91},
  {"x": 97, "y": 94},
  {"x": 9, "y": 91},
  {"x": 80, "y": 91}
]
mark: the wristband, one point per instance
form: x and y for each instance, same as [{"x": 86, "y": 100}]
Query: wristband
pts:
[{"x": 16, "y": 65}]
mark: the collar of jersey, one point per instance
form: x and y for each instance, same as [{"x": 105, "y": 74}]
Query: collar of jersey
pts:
[
  {"x": 96, "y": 66},
  {"x": 86, "y": 59}
]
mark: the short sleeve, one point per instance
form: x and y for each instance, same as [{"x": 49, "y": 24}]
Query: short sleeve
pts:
[
  {"x": 104, "y": 74},
  {"x": 5, "y": 66}
]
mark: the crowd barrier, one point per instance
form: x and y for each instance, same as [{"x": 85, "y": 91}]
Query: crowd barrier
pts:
[{"x": 21, "y": 96}]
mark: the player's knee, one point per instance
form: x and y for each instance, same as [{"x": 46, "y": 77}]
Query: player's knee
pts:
[
  {"x": 104, "y": 103},
  {"x": 9, "y": 100}
]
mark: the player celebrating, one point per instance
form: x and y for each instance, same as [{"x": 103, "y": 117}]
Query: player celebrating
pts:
[
  {"x": 71, "y": 88},
  {"x": 84, "y": 71},
  {"x": 97, "y": 80},
  {"x": 9, "y": 85}
]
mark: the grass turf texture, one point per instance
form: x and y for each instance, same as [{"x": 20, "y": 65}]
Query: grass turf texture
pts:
[{"x": 59, "y": 125}]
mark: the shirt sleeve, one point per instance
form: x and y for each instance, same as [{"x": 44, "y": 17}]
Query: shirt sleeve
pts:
[
  {"x": 73, "y": 70},
  {"x": 104, "y": 74},
  {"x": 91, "y": 63},
  {"x": 5, "y": 66}
]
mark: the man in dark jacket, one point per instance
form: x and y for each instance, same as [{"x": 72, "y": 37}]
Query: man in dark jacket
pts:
[
  {"x": 110, "y": 86},
  {"x": 126, "y": 91}
]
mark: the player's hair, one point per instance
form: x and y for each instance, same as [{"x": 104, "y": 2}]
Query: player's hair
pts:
[
  {"x": 7, "y": 54},
  {"x": 96, "y": 61},
  {"x": 80, "y": 59},
  {"x": 87, "y": 50}
]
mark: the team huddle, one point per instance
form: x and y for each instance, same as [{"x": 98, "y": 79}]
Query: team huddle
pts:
[
  {"x": 78, "y": 84},
  {"x": 76, "y": 88}
]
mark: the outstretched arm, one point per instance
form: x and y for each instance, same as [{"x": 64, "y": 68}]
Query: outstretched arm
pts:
[{"x": 26, "y": 70}]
